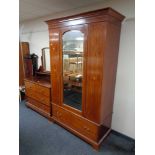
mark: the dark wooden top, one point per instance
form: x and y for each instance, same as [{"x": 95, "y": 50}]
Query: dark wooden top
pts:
[
  {"x": 106, "y": 14},
  {"x": 38, "y": 81}
]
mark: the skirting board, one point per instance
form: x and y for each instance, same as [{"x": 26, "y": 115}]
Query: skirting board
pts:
[
  {"x": 129, "y": 139},
  {"x": 122, "y": 135}
]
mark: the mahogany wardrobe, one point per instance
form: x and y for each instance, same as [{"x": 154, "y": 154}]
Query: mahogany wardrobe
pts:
[{"x": 83, "y": 55}]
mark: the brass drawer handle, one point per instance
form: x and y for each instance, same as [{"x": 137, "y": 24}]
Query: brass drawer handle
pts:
[
  {"x": 59, "y": 114},
  {"x": 41, "y": 91},
  {"x": 42, "y": 99},
  {"x": 86, "y": 129},
  {"x": 30, "y": 87}
]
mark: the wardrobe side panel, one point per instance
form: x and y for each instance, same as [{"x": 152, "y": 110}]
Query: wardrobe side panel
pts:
[
  {"x": 109, "y": 72},
  {"x": 96, "y": 44}
]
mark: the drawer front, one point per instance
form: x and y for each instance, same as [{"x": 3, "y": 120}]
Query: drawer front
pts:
[
  {"x": 39, "y": 105},
  {"x": 76, "y": 122},
  {"x": 37, "y": 88},
  {"x": 37, "y": 96},
  {"x": 42, "y": 90},
  {"x": 29, "y": 85}
]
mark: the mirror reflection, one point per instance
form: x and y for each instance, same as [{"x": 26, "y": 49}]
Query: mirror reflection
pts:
[
  {"x": 73, "y": 68},
  {"x": 46, "y": 59}
]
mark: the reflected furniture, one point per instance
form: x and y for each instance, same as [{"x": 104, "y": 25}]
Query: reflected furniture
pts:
[
  {"x": 45, "y": 59},
  {"x": 83, "y": 55}
]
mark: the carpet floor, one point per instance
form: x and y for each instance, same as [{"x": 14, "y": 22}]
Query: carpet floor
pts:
[{"x": 38, "y": 136}]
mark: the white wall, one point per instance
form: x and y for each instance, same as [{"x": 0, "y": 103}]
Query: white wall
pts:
[
  {"x": 36, "y": 33},
  {"x": 37, "y": 41},
  {"x": 124, "y": 102}
]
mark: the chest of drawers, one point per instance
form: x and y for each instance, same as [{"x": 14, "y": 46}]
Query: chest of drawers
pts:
[{"x": 38, "y": 95}]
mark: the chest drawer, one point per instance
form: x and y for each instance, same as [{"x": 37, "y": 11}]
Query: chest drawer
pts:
[
  {"x": 39, "y": 105},
  {"x": 37, "y": 88},
  {"x": 29, "y": 85},
  {"x": 37, "y": 96},
  {"x": 76, "y": 122}
]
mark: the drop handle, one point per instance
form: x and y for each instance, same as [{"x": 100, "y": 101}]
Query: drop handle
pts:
[
  {"x": 42, "y": 99},
  {"x": 59, "y": 114},
  {"x": 42, "y": 91},
  {"x": 87, "y": 129}
]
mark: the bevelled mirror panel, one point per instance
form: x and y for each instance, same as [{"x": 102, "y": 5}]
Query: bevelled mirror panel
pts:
[{"x": 73, "y": 68}]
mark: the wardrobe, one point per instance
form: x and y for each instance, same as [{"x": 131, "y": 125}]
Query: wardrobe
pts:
[{"x": 83, "y": 55}]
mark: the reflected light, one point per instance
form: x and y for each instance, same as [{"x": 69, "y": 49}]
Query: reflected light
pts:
[
  {"x": 55, "y": 34},
  {"x": 75, "y": 22},
  {"x": 79, "y": 38},
  {"x": 54, "y": 39}
]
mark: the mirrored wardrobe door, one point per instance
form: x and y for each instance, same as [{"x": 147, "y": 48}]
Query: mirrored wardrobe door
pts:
[{"x": 72, "y": 57}]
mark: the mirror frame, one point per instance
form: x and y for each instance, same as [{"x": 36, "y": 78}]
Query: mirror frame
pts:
[
  {"x": 43, "y": 60},
  {"x": 83, "y": 29}
]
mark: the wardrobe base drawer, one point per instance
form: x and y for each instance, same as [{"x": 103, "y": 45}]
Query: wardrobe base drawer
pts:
[
  {"x": 76, "y": 122},
  {"x": 91, "y": 132}
]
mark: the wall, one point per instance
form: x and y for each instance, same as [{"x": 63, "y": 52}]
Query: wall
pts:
[
  {"x": 36, "y": 33},
  {"x": 124, "y": 102},
  {"x": 37, "y": 41}
]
